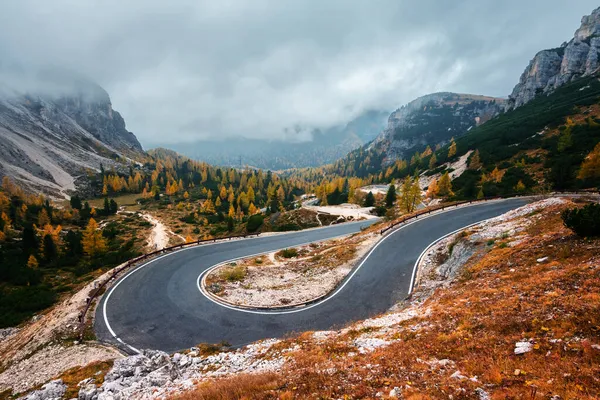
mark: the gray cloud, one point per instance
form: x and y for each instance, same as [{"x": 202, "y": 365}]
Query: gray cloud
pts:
[{"x": 185, "y": 70}]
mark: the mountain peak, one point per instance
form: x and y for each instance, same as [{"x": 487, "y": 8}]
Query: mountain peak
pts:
[{"x": 552, "y": 68}]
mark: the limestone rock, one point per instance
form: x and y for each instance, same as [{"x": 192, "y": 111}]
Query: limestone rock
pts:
[
  {"x": 553, "y": 68},
  {"x": 53, "y": 390}
]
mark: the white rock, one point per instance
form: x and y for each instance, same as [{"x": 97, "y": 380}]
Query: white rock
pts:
[
  {"x": 395, "y": 392},
  {"x": 483, "y": 395},
  {"x": 543, "y": 259},
  {"x": 53, "y": 390},
  {"x": 523, "y": 347}
]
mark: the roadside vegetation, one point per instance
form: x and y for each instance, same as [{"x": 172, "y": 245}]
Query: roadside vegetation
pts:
[
  {"x": 47, "y": 251},
  {"x": 520, "y": 320}
]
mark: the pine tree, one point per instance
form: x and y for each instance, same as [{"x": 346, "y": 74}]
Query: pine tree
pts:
[
  {"x": 390, "y": 197},
  {"x": 445, "y": 186},
  {"x": 93, "y": 242},
  {"x": 369, "y": 200}
]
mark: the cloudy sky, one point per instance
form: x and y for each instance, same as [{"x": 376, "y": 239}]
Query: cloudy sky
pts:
[{"x": 184, "y": 70}]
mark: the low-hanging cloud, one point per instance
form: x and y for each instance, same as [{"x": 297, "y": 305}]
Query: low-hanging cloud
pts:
[{"x": 186, "y": 70}]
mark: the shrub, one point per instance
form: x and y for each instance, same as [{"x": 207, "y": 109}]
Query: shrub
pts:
[
  {"x": 234, "y": 274},
  {"x": 254, "y": 222},
  {"x": 583, "y": 221},
  {"x": 288, "y": 253}
]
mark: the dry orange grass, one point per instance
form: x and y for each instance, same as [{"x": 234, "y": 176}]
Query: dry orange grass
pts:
[{"x": 507, "y": 297}]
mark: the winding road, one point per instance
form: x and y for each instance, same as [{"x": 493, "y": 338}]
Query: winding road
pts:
[{"x": 159, "y": 306}]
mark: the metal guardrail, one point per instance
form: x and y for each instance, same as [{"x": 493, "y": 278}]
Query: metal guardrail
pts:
[
  {"x": 458, "y": 203},
  {"x": 139, "y": 259},
  {"x": 144, "y": 257}
]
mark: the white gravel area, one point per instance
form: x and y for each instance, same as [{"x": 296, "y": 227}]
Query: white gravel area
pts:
[{"x": 346, "y": 210}]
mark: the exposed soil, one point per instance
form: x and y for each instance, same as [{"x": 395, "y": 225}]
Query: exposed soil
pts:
[{"x": 272, "y": 280}]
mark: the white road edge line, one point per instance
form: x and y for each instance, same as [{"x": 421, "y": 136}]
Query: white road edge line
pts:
[
  {"x": 416, "y": 266},
  {"x": 105, "y": 299},
  {"x": 340, "y": 288}
]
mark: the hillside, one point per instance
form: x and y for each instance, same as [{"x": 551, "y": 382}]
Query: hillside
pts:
[
  {"x": 57, "y": 128},
  {"x": 506, "y": 309},
  {"x": 325, "y": 146},
  {"x": 431, "y": 120}
]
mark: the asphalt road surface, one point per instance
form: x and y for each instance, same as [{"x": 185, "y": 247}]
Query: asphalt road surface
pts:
[{"x": 159, "y": 306}]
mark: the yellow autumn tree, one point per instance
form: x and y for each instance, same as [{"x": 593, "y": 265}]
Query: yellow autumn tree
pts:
[
  {"x": 452, "y": 149},
  {"x": 432, "y": 189},
  {"x": 32, "y": 262},
  {"x": 445, "y": 186},
  {"x": 590, "y": 168},
  {"x": 432, "y": 161},
  {"x": 252, "y": 209},
  {"x": 93, "y": 241},
  {"x": 520, "y": 187},
  {"x": 231, "y": 213},
  {"x": 475, "y": 162},
  {"x": 496, "y": 175}
]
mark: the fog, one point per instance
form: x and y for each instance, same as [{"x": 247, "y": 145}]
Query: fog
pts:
[{"x": 187, "y": 70}]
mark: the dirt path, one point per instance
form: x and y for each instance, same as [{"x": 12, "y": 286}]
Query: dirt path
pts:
[{"x": 159, "y": 237}]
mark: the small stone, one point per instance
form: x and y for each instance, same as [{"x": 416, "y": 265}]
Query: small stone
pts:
[
  {"x": 483, "y": 395},
  {"x": 542, "y": 260},
  {"x": 523, "y": 347},
  {"x": 395, "y": 392}
]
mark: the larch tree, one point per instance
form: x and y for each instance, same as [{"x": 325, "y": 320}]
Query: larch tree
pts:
[
  {"x": 432, "y": 189},
  {"x": 475, "y": 161},
  {"x": 32, "y": 262},
  {"x": 452, "y": 149},
  {"x": 410, "y": 197},
  {"x": 432, "y": 161},
  {"x": 590, "y": 168},
  {"x": 445, "y": 186},
  {"x": 93, "y": 242}
]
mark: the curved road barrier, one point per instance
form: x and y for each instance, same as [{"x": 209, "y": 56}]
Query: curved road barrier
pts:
[{"x": 158, "y": 304}]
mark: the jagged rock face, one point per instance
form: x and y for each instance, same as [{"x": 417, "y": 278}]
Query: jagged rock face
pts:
[
  {"x": 50, "y": 139},
  {"x": 433, "y": 119},
  {"x": 553, "y": 68}
]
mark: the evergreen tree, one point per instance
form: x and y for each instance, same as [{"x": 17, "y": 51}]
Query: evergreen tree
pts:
[
  {"x": 390, "y": 197},
  {"x": 50, "y": 249},
  {"x": 75, "y": 202},
  {"x": 114, "y": 207},
  {"x": 369, "y": 200}
]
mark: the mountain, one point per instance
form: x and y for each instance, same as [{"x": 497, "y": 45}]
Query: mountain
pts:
[
  {"x": 56, "y": 127},
  {"x": 325, "y": 147},
  {"x": 552, "y": 68},
  {"x": 433, "y": 119}
]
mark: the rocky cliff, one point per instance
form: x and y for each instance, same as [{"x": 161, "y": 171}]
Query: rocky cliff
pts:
[
  {"x": 552, "y": 68},
  {"x": 55, "y": 128},
  {"x": 434, "y": 119}
]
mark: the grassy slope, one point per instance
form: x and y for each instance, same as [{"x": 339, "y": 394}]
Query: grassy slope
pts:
[{"x": 503, "y": 296}]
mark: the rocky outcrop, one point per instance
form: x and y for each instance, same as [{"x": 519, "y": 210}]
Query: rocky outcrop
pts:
[
  {"x": 553, "y": 68},
  {"x": 53, "y": 390},
  {"x": 434, "y": 119},
  {"x": 56, "y": 129}
]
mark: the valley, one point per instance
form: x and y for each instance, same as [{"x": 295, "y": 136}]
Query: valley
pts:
[{"x": 292, "y": 239}]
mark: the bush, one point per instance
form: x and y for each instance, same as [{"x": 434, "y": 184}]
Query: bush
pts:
[
  {"x": 288, "y": 253},
  {"x": 234, "y": 274},
  {"x": 254, "y": 222},
  {"x": 287, "y": 227},
  {"x": 583, "y": 221}
]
